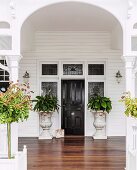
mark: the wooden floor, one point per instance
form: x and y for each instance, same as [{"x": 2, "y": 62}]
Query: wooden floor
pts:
[{"x": 75, "y": 153}]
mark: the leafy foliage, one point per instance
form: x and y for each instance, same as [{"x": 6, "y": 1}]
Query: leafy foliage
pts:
[
  {"x": 98, "y": 103},
  {"x": 130, "y": 104},
  {"x": 15, "y": 103},
  {"x": 47, "y": 103}
]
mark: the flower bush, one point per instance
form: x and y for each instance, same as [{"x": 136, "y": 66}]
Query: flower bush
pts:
[
  {"x": 15, "y": 104},
  {"x": 130, "y": 104}
]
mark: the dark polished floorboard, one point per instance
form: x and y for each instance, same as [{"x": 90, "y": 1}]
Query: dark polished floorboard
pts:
[{"x": 75, "y": 153}]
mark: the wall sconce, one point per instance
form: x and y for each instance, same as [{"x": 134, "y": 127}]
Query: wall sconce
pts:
[
  {"x": 118, "y": 77},
  {"x": 26, "y": 77}
]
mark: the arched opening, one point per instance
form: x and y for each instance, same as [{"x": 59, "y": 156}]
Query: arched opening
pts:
[
  {"x": 4, "y": 24},
  {"x": 74, "y": 37},
  {"x": 76, "y": 17}
]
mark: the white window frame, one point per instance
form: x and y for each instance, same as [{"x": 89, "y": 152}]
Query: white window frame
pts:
[
  {"x": 96, "y": 77},
  {"x": 57, "y": 78}
]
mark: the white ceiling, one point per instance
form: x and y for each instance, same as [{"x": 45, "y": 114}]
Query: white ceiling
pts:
[{"x": 72, "y": 16}]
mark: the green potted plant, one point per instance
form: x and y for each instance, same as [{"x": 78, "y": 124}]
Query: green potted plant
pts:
[
  {"x": 99, "y": 106},
  {"x": 46, "y": 105},
  {"x": 15, "y": 104}
]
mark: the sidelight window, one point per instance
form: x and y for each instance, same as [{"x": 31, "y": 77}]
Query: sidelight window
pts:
[
  {"x": 49, "y": 87},
  {"x": 95, "y": 88}
]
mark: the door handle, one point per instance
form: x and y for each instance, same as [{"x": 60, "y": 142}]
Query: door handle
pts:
[{"x": 72, "y": 114}]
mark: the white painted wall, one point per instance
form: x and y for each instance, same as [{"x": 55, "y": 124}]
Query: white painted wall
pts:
[{"x": 76, "y": 46}]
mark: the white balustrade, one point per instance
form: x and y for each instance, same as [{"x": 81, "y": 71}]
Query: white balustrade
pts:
[
  {"x": 17, "y": 163},
  {"x": 131, "y": 144}
]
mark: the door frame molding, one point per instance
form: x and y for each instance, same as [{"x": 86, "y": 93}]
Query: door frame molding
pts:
[
  {"x": 84, "y": 101},
  {"x": 85, "y": 76}
]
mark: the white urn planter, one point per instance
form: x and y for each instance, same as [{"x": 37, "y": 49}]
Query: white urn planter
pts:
[
  {"x": 45, "y": 123},
  {"x": 100, "y": 125},
  {"x": 19, "y": 162}
]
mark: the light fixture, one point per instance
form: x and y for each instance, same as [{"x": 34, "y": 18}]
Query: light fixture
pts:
[
  {"x": 26, "y": 77},
  {"x": 118, "y": 77}
]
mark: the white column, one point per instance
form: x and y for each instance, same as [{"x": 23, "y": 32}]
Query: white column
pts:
[
  {"x": 130, "y": 86},
  {"x": 13, "y": 65}
]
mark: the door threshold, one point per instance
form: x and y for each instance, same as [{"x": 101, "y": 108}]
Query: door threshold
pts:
[{"x": 74, "y": 136}]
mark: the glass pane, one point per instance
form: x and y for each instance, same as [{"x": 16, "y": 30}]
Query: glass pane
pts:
[
  {"x": 72, "y": 69},
  {"x": 2, "y": 61},
  {"x": 49, "y": 69},
  {"x": 49, "y": 87},
  {"x": 95, "y": 69},
  {"x": 95, "y": 88},
  {"x": 6, "y": 73},
  {"x": 1, "y": 78},
  {"x": 6, "y": 78},
  {"x": 4, "y": 86},
  {"x": 2, "y": 72}
]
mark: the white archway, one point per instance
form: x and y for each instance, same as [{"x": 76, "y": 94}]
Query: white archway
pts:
[
  {"x": 118, "y": 32},
  {"x": 91, "y": 9},
  {"x": 54, "y": 2}
]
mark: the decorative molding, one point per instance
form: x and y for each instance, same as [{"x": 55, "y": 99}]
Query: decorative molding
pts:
[
  {"x": 13, "y": 61},
  {"x": 12, "y": 8}
]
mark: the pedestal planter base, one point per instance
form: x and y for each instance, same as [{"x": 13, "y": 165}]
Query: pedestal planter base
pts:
[
  {"x": 99, "y": 124},
  {"x": 45, "y": 123},
  {"x": 45, "y": 134}
]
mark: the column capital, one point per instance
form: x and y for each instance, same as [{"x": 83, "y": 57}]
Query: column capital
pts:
[
  {"x": 13, "y": 60},
  {"x": 13, "y": 65},
  {"x": 14, "y": 57}
]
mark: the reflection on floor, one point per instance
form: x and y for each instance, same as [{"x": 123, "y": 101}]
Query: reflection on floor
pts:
[{"x": 75, "y": 153}]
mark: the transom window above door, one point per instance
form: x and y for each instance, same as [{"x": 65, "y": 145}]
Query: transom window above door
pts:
[
  {"x": 72, "y": 69},
  {"x": 95, "y": 69},
  {"x": 49, "y": 69}
]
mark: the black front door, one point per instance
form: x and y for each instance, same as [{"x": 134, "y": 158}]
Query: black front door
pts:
[{"x": 73, "y": 107}]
